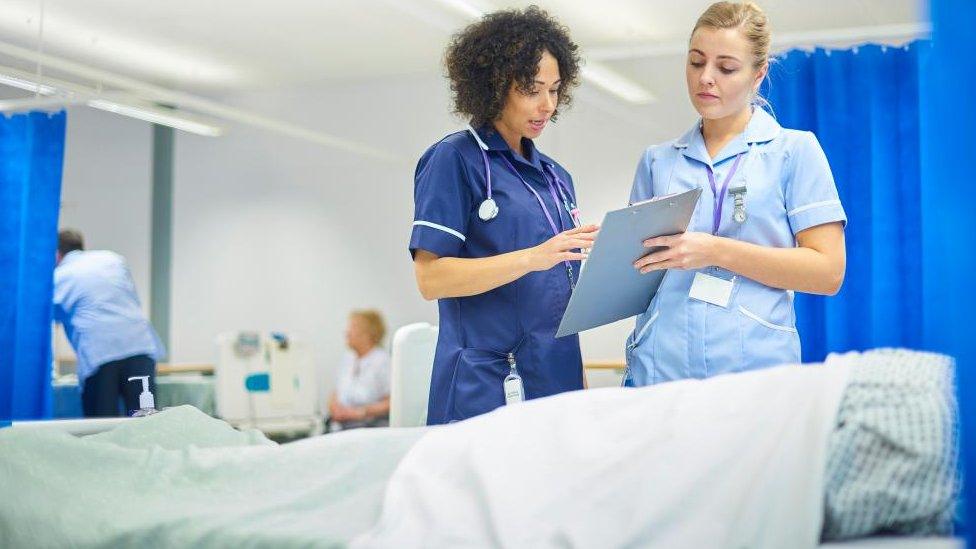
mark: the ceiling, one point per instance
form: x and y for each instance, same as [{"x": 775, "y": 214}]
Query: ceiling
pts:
[
  {"x": 194, "y": 55},
  {"x": 224, "y": 45}
]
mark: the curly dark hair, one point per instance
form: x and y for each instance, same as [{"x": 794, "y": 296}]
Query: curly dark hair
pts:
[{"x": 485, "y": 58}]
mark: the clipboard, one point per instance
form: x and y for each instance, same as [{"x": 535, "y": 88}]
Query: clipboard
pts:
[{"x": 609, "y": 287}]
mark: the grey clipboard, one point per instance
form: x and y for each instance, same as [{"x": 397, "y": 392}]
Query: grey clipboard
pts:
[{"x": 609, "y": 287}]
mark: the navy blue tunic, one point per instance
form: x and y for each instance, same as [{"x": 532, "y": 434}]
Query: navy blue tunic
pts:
[{"x": 476, "y": 333}]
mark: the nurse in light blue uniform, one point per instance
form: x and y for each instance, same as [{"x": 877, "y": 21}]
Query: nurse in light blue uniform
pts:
[
  {"x": 769, "y": 221},
  {"x": 496, "y": 236}
]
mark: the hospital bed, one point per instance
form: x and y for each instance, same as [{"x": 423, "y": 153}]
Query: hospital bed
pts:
[{"x": 97, "y": 487}]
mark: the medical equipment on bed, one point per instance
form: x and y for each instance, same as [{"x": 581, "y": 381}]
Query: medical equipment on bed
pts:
[
  {"x": 266, "y": 381},
  {"x": 411, "y": 364},
  {"x": 147, "y": 405}
]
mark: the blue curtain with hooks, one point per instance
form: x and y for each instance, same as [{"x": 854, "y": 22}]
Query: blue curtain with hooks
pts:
[
  {"x": 948, "y": 231},
  {"x": 897, "y": 125},
  {"x": 31, "y": 157},
  {"x": 863, "y": 104}
]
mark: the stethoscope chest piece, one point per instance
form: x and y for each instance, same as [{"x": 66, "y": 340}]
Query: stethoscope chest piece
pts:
[{"x": 488, "y": 210}]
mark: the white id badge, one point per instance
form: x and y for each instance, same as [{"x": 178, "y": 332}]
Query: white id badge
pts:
[
  {"x": 711, "y": 289},
  {"x": 513, "y": 389}
]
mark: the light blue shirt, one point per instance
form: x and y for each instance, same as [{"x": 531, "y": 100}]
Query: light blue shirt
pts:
[
  {"x": 95, "y": 299},
  {"x": 789, "y": 189}
]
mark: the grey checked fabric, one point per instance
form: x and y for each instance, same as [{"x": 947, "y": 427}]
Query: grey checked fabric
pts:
[{"x": 892, "y": 458}]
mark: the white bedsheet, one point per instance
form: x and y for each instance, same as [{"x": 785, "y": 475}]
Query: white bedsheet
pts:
[{"x": 736, "y": 461}]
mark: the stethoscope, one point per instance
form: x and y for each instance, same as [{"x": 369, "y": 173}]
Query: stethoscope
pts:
[{"x": 488, "y": 209}]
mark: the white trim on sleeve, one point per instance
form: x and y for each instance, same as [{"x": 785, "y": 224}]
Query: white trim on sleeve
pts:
[
  {"x": 812, "y": 206},
  {"x": 447, "y": 230}
]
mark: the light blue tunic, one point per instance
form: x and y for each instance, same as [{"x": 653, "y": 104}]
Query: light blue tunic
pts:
[
  {"x": 790, "y": 189},
  {"x": 96, "y": 301}
]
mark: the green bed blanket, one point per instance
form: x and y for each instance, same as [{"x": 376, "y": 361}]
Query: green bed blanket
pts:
[{"x": 183, "y": 479}]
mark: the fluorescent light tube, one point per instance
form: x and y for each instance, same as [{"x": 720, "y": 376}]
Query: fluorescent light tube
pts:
[
  {"x": 26, "y": 85},
  {"x": 465, "y": 8},
  {"x": 599, "y": 75},
  {"x": 157, "y": 116},
  {"x": 616, "y": 84}
]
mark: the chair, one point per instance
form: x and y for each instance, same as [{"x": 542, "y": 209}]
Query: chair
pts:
[{"x": 411, "y": 363}]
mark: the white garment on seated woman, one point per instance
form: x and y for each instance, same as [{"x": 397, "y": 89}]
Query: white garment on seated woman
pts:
[{"x": 362, "y": 381}]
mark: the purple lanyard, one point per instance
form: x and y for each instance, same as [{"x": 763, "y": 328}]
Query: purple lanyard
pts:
[
  {"x": 552, "y": 224},
  {"x": 570, "y": 206},
  {"x": 720, "y": 197},
  {"x": 545, "y": 210}
]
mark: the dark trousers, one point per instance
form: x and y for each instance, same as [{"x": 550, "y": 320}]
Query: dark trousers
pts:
[{"x": 100, "y": 397}]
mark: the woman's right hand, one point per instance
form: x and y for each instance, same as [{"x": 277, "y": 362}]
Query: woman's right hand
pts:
[{"x": 560, "y": 248}]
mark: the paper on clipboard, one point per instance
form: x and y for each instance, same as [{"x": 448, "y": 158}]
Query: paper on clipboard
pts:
[{"x": 609, "y": 287}]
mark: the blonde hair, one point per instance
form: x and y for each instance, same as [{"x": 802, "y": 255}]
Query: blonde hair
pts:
[
  {"x": 745, "y": 16},
  {"x": 372, "y": 322}
]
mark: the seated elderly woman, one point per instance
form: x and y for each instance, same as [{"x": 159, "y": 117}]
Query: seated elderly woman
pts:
[
  {"x": 786, "y": 457},
  {"x": 362, "y": 395}
]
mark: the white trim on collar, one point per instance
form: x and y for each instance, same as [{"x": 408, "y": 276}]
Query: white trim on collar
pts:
[
  {"x": 482, "y": 144},
  {"x": 762, "y": 127}
]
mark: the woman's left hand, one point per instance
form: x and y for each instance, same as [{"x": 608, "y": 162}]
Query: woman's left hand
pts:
[{"x": 682, "y": 251}]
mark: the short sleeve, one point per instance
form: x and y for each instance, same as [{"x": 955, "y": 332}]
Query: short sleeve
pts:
[
  {"x": 643, "y": 188},
  {"x": 811, "y": 195},
  {"x": 442, "y": 202}
]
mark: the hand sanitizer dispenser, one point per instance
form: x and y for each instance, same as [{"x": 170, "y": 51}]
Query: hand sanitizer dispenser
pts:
[{"x": 147, "y": 404}]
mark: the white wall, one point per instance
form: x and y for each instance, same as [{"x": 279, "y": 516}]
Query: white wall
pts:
[
  {"x": 105, "y": 189},
  {"x": 274, "y": 233},
  {"x": 278, "y": 233}
]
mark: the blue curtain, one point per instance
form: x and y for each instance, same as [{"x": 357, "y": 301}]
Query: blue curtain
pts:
[
  {"x": 897, "y": 125},
  {"x": 863, "y": 104},
  {"x": 31, "y": 157},
  {"x": 948, "y": 231}
]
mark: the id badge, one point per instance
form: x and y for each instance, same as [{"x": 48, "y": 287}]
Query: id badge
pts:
[
  {"x": 711, "y": 289},
  {"x": 513, "y": 389}
]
